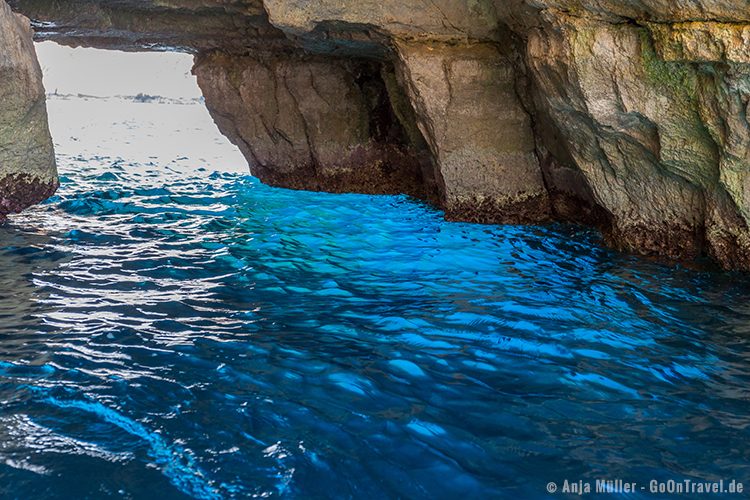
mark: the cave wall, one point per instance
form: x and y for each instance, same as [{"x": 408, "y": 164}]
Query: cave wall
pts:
[
  {"x": 627, "y": 114},
  {"x": 654, "y": 115},
  {"x": 315, "y": 123},
  {"x": 478, "y": 131}
]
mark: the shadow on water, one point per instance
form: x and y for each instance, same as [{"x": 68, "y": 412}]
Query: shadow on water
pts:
[{"x": 25, "y": 256}]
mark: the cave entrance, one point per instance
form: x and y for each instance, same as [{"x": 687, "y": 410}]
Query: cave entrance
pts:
[{"x": 145, "y": 107}]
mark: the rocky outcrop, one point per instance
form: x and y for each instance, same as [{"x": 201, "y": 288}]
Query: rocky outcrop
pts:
[
  {"x": 627, "y": 114},
  {"x": 314, "y": 123},
  {"x": 185, "y": 25},
  {"x": 654, "y": 116},
  {"x": 479, "y": 133},
  {"x": 632, "y": 128},
  {"x": 717, "y": 54},
  {"x": 27, "y": 162}
]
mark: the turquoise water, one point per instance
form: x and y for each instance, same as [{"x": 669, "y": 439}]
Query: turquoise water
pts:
[{"x": 169, "y": 331}]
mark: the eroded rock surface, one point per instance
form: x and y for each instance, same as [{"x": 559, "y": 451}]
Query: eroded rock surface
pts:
[
  {"x": 314, "y": 123},
  {"x": 186, "y": 25},
  {"x": 627, "y": 114},
  {"x": 637, "y": 137},
  {"x": 27, "y": 162},
  {"x": 468, "y": 109}
]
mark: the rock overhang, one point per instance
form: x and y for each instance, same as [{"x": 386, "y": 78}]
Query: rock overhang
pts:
[{"x": 627, "y": 114}]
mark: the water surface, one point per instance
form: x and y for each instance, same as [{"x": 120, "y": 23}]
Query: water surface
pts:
[{"x": 169, "y": 331}]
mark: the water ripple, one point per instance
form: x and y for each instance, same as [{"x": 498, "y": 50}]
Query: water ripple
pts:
[{"x": 181, "y": 332}]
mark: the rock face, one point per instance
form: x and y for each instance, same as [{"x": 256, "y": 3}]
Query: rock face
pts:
[
  {"x": 314, "y": 123},
  {"x": 27, "y": 162},
  {"x": 654, "y": 115},
  {"x": 627, "y": 114},
  {"x": 485, "y": 154},
  {"x": 186, "y": 25},
  {"x": 632, "y": 129}
]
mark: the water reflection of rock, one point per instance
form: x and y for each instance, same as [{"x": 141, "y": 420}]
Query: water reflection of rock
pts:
[{"x": 26, "y": 254}]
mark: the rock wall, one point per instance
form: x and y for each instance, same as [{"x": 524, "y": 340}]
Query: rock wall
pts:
[
  {"x": 637, "y": 110},
  {"x": 314, "y": 123},
  {"x": 654, "y": 115},
  {"x": 131, "y": 25},
  {"x": 627, "y": 114},
  {"x": 479, "y": 133},
  {"x": 27, "y": 162},
  {"x": 636, "y": 137}
]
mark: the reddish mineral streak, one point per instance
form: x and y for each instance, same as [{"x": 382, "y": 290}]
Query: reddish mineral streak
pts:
[{"x": 20, "y": 191}]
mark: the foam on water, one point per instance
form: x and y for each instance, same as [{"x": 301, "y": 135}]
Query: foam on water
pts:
[{"x": 168, "y": 330}]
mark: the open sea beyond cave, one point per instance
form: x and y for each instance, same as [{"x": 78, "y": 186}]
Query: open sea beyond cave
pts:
[{"x": 170, "y": 331}]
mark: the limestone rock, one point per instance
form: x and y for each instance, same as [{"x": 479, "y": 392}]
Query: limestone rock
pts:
[
  {"x": 480, "y": 135},
  {"x": 649, "y": 10},
  {"x": 702, "y": 41},
  {"x": 186, "y": 25},
  {"x": 27, "y": 163},
  {"x": 627, "y": 114},
  {"x": 633, "y": 128},
  {"x": 312, "y": 123},
  {"x": 431, "y": 20}
]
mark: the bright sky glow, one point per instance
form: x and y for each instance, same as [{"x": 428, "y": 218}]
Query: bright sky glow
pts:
[
  {"x": 176, "y": 132},
  {"x": 107, "y": 73}
]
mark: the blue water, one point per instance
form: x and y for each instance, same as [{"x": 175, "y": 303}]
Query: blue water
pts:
[{"x": 167, "y": 331}]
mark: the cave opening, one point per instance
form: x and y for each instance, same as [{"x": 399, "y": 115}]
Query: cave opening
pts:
[{"x": 143, "y": 106}]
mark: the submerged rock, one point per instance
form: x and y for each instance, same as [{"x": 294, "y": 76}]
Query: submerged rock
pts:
[
  {"x": 631, "y": 115},
  {"x": 27, "y": 162}
]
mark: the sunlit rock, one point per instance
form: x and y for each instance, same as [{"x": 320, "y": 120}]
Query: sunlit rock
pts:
[
  {"x": 630, "y": 115},
  {"x": 27, "y": 162},
  {"x": 469, "y": 111}
]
